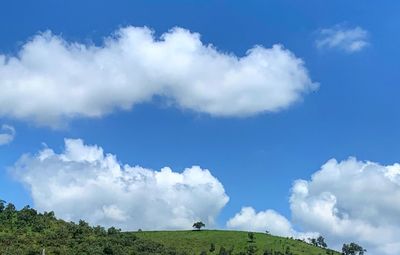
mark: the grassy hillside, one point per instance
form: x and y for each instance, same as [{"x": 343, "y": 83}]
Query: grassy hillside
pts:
[
  {"x": 27, "y": 232},
  {"x": 195, "y": 242}
]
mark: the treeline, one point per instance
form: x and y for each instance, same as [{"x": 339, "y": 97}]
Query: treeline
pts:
[{"x": 27, "y": 232}]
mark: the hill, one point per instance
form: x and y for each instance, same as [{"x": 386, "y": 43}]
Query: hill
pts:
[
  {"x": 196, "y": 242},
  {"x": 27, "y": 232}
]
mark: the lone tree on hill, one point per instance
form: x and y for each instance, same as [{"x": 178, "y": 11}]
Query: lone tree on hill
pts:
[
  {"x": 2, "y": 205},
  {"x": 313, "y": 241},
  {"x": 321, "y": 242},
  {"x": 198, "y": 225}
]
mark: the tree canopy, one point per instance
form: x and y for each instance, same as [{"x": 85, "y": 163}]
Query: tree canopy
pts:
[
  {"x": 28, "y": 232},
  {"x": 198, "y": 225},
  {"x": 353, "y": 249}
]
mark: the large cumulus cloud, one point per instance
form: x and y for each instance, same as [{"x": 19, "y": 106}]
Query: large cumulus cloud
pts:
[
  {"x": 51, "y": 79},
  {"x": 347, "y": 201},
  {"x": 352, "y": 200},
  {"x": 83, "y": 182}
]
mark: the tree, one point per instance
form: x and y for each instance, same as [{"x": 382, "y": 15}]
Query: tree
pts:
[
  {"x": 28, "y": 232},
  {"x": 9, "y": 211},
  {"x": 251, "y": 237},
  {"x": 113, "y": 231},
  {"x": 321, "y": 242},
  {"x": 313, "y": 241},
  {"x": 2, "y": 205},
  {"x": 353, "y": 249},
  {"x": 198, "y": 225}
]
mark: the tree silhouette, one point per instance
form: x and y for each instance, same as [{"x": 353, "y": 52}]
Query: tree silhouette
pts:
[
  {"x": 2, "y": 205},
  {"x": 313, "y": 241},
  {"x": 353, "y": 249},
  {"x": 198, "y": 225},
  {"x": 321, "y": 242}
]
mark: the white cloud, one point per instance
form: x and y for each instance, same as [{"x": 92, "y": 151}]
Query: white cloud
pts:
[
  {"x": 250, "y": 220},
  {"x": 51, "y": 80},
  {"x": 352, "y": 201},
  {"x": 347, "y": 39},
  {"x": 84, "y": 183},
  {"x": 7, "y": 134},
  {"x": 348, "y": 201}
]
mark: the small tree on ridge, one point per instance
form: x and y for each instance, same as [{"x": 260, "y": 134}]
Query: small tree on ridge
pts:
[{"x": 198, "y": 225}]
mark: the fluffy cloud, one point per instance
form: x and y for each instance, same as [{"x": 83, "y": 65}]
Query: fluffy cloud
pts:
[
  {"x": 344, "y": 201},
  {"x": 347, "y": 39},
  {"x": 7, "y": 134},
  {"x": 250, "y": 220},
  {"x": 83, "y": 182},
  {"x": 51, "y": 79},
  {"x": 352, "y": 201}
]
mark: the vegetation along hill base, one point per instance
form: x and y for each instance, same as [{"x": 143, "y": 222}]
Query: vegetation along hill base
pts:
[{"x": 27, "y": 232}]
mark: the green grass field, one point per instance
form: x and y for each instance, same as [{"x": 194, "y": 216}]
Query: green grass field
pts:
[{"x": 194, "y": 242}]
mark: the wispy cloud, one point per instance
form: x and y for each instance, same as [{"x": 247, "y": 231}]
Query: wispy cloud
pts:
[
  {"x": 7, "y": 134},
  {"x": 347, "y": 39}
]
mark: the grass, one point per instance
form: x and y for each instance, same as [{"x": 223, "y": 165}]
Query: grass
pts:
[{"x": 194, "y": 242}]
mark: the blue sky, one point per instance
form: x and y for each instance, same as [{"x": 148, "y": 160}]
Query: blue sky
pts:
[{"x": 257, "y": 158}]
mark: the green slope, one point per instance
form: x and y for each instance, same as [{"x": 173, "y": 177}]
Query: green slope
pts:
[
  {"x": 27, "y": 232},
  {"x": 194, "y": 242}
]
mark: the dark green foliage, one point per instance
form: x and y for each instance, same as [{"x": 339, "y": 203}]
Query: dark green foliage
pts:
[
  {"x": 353, "y": 249},
  {"x": 222, "y": 251},
  {"x": 321, "y": 242},
  {"x": 113, "y": 231},
  {"x": 198, "y": 225},
  {"x": 268, "y": 252},
  {"x": 212, "y": 247},
  {"x": 2, "y": 205},
  {"x": 313, "y": 241},
  {"x": 28, "y": 232},
  {"x": 251, "y": 249},
  {"x": 251, "y": 237},
  {"x": 108, "y": 250}
]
